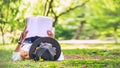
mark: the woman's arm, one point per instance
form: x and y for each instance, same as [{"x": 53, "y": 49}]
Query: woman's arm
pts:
[{"x": 23, "y": 35}]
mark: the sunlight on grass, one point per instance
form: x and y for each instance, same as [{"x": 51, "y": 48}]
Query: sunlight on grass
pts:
[
  {"x": 8, "y": 47},
  {"x": 90, "y": 46}
]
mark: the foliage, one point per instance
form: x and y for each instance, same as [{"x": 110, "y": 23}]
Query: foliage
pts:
[
  {"x": 101, "y": 16},
  {"x": 8, "y": 21},
  {"x": 104, "y": 17}
]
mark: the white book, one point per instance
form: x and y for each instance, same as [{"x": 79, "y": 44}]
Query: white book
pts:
[{"x": 38, "y": 26}]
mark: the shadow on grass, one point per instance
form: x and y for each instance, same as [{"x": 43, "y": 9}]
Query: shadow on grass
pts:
[
  {"x": 101, "y": 54},
  {"x": 6, "y": 61}
]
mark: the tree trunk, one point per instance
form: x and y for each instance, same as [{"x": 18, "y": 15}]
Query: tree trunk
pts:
[
  {"x": 115, "y": 34},
  {"x": 55, "y": 20},
  {"x": 3, "y": 39},
  {"x": 13, "y": 38},
  {"x": 79, "y": 30}
]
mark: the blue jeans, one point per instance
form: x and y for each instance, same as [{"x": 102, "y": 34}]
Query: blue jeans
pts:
[{"x": 31, "y": 39}]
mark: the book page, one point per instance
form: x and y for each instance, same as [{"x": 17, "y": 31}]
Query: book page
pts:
[{"x": 38, "y": 26}]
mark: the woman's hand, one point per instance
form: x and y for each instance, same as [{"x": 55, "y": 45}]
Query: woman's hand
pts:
[{"x": 50, "y": 34}]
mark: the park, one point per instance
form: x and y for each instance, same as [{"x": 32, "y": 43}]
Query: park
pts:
[{"x": 88, "y": 32}]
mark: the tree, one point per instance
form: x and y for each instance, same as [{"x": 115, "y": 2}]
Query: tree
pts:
[
  {"x": 105, "y": 14},
  {"x": 4, "y": 16},
  {"x": 50, "y": 6},
  {"x": 8, "y": 12}
]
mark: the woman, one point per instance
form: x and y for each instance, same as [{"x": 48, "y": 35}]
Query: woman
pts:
[{"x": 22, "y": 50}]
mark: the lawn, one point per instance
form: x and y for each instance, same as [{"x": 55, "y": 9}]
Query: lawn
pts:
[{"x": 76, "y": 56}]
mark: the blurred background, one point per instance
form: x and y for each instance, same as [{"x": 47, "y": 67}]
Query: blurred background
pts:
[{"x": 74, "y": 19}]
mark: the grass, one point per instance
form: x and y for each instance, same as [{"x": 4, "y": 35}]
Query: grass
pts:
[
  {"x": 74, "y": 58},
  {"x": 91, "y": 46}
]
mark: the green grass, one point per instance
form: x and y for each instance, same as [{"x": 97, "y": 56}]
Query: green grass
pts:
[
  {"x": 91, "y": 46},
  {"x": 74, "y": 58}
]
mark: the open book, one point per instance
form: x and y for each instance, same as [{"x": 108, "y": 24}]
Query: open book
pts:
[{"x": 38, "y": 26}]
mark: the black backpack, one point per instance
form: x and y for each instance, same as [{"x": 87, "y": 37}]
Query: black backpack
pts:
[{"x": 46, "y": 48}]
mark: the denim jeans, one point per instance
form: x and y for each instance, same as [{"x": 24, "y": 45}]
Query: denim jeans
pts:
[{"x": 31, "y": 39}]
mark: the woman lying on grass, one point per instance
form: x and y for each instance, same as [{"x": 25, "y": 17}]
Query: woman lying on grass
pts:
[{"x": 22, "y": 50}]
